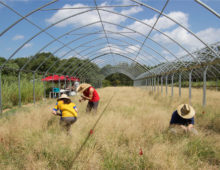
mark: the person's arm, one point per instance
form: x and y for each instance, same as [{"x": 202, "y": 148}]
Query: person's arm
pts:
[
  {"x": 90, "y": 95},
  {"x": 55, "y": 109},
  {"x": 75, "y": 109},
  {"x": 191, "y": 124}
]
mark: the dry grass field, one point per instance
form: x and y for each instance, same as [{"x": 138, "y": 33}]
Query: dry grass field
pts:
[{"x": 31, "y": 138}]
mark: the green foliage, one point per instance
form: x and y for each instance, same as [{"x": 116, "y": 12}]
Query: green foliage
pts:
[
  {"x": 200, "y": 149},
  {"x": 10, "y": 94},
  {"x": 117, "y": 79}
]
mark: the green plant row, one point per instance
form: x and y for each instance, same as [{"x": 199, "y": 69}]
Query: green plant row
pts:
[{"x": 10, "y": 92}]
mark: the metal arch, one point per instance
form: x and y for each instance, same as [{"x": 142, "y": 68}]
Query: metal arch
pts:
[
  {"x": 85, "y": 63},
  {"x": 208, "y": 8},
  {"x": 119, "y": 55},
  {"x": 64, "y": 45},
  {"x": 120, "y": 68},
  {"x": 109, "y": 6},
  {"x": 175, "y": 22},
  {"x": 103, "y": 29},
  {"x": 163, "y": 47},
  {"x": 133, "y": 39},
  {"x": 119, "y": 71},
  {"x": 82, "y": 73},
  {"x": 198, "y": 53},
  {"x": 139, "y": 41},
  {"x": 143, "y": 4},
  {"x": 23, "y": 17},
  {"x": 58, "y": 22},
  {"x": 139, "y": 57},
  {"x": 85, "y": 69},
  {"x": 154, "y": 29},
  {"x": 87, "y": 58},
  {"x": 72, "y": 50},
  {"x": 91, "y": 53},
  {"x": 118, "y": 48},
  {"x": 18, "y": 49},
  {"x": 167, "y": 1}
]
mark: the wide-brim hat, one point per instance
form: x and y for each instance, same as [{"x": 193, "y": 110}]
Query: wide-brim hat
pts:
[
  {"x": 83, "y": 87},
  {"x": 63, "y": 96},
  {"x": 185, "y": 111}
]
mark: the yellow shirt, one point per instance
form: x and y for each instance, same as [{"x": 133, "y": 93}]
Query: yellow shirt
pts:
[{"x": 67, "y": 110}]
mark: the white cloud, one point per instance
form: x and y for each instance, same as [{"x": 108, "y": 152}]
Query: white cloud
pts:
[
  {"x": 133, "y": 10},
  {"x": 163, "y": 22},
  {"x": 209, "y": 35},
  {"x": 27, "y": 45},
  {"x": 18, "y": 37},
  {"x": 116, "y": 49},
  {"x": 89, "y": 17},
  {"x": 82, "y": 19}
]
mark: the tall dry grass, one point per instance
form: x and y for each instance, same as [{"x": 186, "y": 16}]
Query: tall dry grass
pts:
[{"x": 135, "y": 119}]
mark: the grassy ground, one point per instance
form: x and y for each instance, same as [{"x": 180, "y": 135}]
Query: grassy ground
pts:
[{"x": 30, "y": 137}]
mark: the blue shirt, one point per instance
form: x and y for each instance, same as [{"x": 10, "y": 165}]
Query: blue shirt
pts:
[{"x": 176, "y": 119}]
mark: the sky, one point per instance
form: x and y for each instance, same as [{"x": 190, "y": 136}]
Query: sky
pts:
[{"x": 123, "y": 35}]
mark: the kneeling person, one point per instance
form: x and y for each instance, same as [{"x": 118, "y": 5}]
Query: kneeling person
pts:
[{"x": 183, "y": 118}]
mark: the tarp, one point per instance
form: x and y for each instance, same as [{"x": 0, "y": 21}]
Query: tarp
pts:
[{"x": 61, "y": 78}]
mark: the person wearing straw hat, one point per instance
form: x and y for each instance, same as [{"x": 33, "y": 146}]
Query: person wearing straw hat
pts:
[
  {"x": 89, "y": 93},
  {"x": 68, "y": 111},
  {"x": 183, "y": 117}
]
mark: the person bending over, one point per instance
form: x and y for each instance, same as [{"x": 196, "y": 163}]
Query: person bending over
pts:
[
  {"x": 89, "y": 93},
  {"x": 68, "y": 112}
]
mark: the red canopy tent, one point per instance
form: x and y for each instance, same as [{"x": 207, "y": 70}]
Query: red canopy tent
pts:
[{"x": 61, "y": 78}]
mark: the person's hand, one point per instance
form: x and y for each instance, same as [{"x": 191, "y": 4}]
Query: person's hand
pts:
[
  {"x": 80, "y": 100},
  {"x": 54, "y": 112},
  {"x": 184, "y": 128}
]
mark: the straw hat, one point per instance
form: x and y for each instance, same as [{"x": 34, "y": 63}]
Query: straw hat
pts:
[
  {"x": 185, "y": 111},
  {"x": 63, "y": 96},
  {"x": 83, "y": 87}
]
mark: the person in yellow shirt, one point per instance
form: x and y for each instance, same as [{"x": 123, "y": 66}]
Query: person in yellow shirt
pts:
[{"x": 68, "y": 111}]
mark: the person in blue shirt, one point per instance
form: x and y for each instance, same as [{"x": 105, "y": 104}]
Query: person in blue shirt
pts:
[{"x": 183, "y": 118}]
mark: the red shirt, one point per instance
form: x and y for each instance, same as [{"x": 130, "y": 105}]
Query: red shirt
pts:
[{"x": 95, "y": 96}]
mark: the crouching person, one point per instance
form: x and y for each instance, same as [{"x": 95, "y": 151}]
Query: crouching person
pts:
[
  {"x": 183, "y": 120},
  {"x": 68, "y": 112}
]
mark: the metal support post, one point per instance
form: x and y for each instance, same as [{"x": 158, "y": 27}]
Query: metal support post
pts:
[
  {"x": 190, "y": 85},
  {"x": 19, "y": 89},
  {"x": 158, "y": 83},
  {"x": 34, "y": 87},
  {"x": 0, "y": 92},
  {"x": 161, "y": 84},
  {"x": 45, "y": 88},
  {"x": 59, "y": 87},
  {"x": 154, "y": 84},
  {"x": 65, "y": 83},
  {"x": 180, "y": 75},
  {"x": 172, "y": 85},
  {"x": 166, "y": 84},
  {"x": 204, "y": 86}
]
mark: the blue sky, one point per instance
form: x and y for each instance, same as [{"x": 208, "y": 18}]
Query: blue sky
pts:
[{"x": 189, "y": 13}]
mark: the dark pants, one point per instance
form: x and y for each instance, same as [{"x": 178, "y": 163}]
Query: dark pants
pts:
[
  {"x": 92, "y": 105},
  {"x": 66, "y": 122}
]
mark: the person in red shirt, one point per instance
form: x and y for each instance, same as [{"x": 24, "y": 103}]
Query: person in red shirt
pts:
[{"x": 89, "y": 93}]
